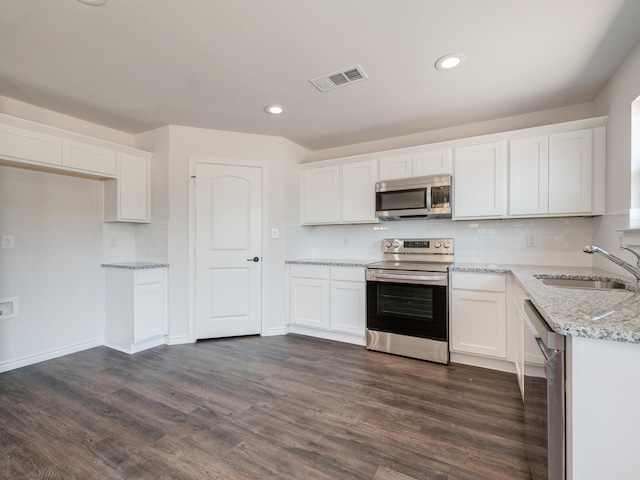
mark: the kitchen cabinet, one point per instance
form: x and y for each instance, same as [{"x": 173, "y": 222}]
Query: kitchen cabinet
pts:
[
  {"x": 553, "y": 175},
  {"x": 478, "y": 315},
  {"x": 480, "y": 181},
  {"x": 30, "y": 146},
  {"x": 128, "y": 198},
  {"x": 428, "y": 162},
  {"x": 358, "y": 192},
  {"x": 339, "y": 193},
  {"x": 320, "y": 195},
  {"x": 309, "y": 285},
  {"x": 135, "y": 308},
  {"x": 88, "y": 158},
  {"x": 328, "y": 302}
]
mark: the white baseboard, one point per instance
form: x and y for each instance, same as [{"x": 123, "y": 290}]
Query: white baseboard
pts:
[
  {"x": 177, "y": 340},
  {"x": 328, "y": 335},
  {"x": 41, "y": 357},
  {"x": 270, "y": 332}
]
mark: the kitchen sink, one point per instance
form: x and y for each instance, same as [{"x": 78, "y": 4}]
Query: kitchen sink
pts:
[{"x": 587, "y": 284}]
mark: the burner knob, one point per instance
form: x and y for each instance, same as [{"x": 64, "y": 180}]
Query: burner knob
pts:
[
  {"x": 388, "y": 244},
  {"x": 447, "y": 244},
  {"x": 396, "y": 243},
  {"x": 438, "y": 245}
]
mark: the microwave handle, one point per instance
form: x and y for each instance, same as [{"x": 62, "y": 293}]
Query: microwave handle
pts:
[{"x": 429, "y": 203}]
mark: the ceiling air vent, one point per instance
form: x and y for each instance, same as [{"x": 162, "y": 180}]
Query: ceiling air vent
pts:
[{"x": 344, "y": 77}]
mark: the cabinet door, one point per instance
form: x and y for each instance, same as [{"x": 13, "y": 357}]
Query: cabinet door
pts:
[
  {"x": 480, "y": 181},
  {"x": 570, "y": 172},
  {"x": 310, "y": 302},
  {"x": 133, "y": 188},
  {"x": 23, "y": 144},
  {"x": 398, "y": 166},
  {"x": 435, "y": 162},
  {"x": 348, "y": 307},
  {"x": 529, "y": 176},
  {"x": 320, "y": 195},
  {"x": 150, "y": 318},
  {"x": 358, "y": 192},
  {"x": 479, "y": 323},
  {"x": 89, "y": 158}
]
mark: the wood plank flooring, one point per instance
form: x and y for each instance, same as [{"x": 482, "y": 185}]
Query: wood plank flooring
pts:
[{"x": 286, "y": 407}]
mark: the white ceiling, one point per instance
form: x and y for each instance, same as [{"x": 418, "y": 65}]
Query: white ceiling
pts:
[{"x": 137, "y": 65}]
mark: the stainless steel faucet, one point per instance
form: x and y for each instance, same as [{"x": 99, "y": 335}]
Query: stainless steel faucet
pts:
[{"x": 635, "y": 271}]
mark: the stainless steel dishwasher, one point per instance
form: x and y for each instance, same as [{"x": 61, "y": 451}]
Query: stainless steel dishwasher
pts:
[{"x": 544, "y": 397}]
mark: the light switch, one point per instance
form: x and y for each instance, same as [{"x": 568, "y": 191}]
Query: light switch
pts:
[
  {"x": 8, "y": 241},
  {"x": 274, "y": 233}
]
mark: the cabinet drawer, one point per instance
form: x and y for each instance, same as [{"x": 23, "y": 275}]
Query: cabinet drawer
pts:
[
  {"x": 348, "y": 274},
  {"x": 487, "y": 282},
  {"x": 310, "y": 271},
  {"x": 150, "y": 275}
]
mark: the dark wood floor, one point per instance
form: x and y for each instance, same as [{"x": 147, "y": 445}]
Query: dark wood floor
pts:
[{"x": 288, "y": 407}]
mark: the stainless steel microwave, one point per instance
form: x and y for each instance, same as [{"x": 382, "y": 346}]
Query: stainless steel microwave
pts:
[{"x": 417, "y": 197}]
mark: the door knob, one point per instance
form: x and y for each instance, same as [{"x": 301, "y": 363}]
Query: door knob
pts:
[{"x": 254, "y": 259}]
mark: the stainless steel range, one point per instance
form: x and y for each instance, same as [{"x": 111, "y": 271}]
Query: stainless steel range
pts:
[{"x": 407, "y": 298}]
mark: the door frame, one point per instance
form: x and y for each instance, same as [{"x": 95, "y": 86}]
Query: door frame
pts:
[{"x": 193, "y": 160}]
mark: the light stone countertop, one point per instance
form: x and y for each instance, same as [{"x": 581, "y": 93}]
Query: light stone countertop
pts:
[
  {"x": 135, "y": 265},
  {"x": 609, "y": 315},
  {"x": 331, "y": 262}
]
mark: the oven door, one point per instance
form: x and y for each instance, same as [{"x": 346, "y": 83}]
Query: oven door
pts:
[{"x": 410, "y": 309}]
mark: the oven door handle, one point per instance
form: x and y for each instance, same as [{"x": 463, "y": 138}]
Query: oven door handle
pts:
[{"x": 390, "y": 277}]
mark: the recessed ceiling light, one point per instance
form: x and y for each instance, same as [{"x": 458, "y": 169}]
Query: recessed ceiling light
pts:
[
  {"x": 450, "y": 61},
  {"x": 274, "y": 109}
]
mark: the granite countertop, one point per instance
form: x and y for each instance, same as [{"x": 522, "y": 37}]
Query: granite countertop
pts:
[
  {"x": 135, "y": 265},
  {"x": 609, "y": 315},
  {"x": 331, "y": 262}
]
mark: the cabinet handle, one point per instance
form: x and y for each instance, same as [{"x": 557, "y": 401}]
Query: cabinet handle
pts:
[{"x": 254, "y": 259}]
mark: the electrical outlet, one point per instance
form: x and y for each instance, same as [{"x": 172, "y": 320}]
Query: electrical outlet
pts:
[
  {"x": 532, "y": 241},
  {"x": 8, "y": 241},
  {"x": 113, "y": 241},
  {"x": 347, "y": 241}
]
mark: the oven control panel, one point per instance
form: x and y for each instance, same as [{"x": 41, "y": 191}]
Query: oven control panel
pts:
[{"x": 420, "y": 246}]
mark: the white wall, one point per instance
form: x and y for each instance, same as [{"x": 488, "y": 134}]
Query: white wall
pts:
[
  {"x": 615, "y": 100},
  {"x": 55, "y": 267},
  {"x": 279, "y": 155},
  {"x": 545, "y": 117}
]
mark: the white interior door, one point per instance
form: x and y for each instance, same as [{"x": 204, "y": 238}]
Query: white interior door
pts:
[{"x": 228, "y": 239}]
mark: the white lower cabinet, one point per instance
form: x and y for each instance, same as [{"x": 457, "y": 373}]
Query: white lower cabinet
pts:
[
  {"x": 136, "y": 308},
  {"x": 328, "y": 302},
  {"x": 479, "y": 327}
]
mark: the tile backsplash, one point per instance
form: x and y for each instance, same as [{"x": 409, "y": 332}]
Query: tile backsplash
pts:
[
  {"x": 558, "y": 241},
  {"x": 127, "y": 242}
]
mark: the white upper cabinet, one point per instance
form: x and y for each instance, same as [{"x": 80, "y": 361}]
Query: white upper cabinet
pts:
[
  {"x": 128, "y": 198},
  {"x": 30, "y": 146},
  {"x": 396, "y": 166},
  {"x": 529, "y": 176},
  {"x": 480, "y": 181},
  {"x": 570, "y": 172},
  {"x": 339, "y": 193},
  {"x": 88, "y": 158},
  {"x": 358, "y": 192},
  {"x": 320, "y": 195},
  {"x": 428, "y": 162},
  {"x": 432, "y": 162},
  {"x": 553, "y": 174}
]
